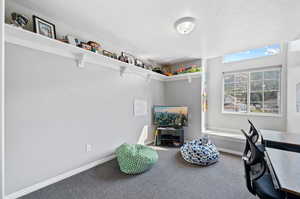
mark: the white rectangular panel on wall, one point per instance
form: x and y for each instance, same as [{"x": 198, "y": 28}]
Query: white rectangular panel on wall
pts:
[{"x": 140, "y": 107}]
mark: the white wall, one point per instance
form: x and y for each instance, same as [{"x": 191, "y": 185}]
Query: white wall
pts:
[
  {"x": 216, "y": 120},
  {"x": 54, "y": 108},
  {"x": 182, "y": 93},
  {"x": 107, "y": 40},
  {"x": 293, "y": 78},
  {"x": 1, "y": 95}
]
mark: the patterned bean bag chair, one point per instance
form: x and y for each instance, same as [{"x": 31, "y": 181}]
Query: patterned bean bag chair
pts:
[
  {"x": 200, "y": 151},
  {"x": 135, "y": 158}
]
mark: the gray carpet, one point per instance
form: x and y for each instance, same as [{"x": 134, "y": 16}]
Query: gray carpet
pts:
[{"x": 170, "y": 178}]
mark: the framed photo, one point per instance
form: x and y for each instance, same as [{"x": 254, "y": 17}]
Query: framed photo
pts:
[
  {"x": 43, "y": 27},
  {"x": 129, "y": 57},
  {"x": 85, "y": 46}
]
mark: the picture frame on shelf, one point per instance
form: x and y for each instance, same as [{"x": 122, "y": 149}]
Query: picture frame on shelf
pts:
[
  {"x": 95, "y": 46},
  {"x": 129, "y": 57},
  {"x": 43, "y": 27},
  {"x": 85, "y": 46}
]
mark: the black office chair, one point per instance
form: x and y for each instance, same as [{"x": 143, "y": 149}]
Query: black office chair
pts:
[
  {"x": 255, "y": 134},
  {"x": 247, "y": 166},
  {"x": 258, "y": 180},
  {"x": 253, "y": 154}
]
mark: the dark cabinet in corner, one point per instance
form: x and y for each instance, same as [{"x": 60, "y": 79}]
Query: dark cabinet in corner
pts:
[{"x": 173, "y": 137}]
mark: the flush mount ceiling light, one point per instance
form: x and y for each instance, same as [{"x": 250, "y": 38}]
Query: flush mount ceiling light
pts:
[{"x": 185, "y": 25}]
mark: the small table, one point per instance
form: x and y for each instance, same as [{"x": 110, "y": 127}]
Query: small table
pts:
[
  {"x": 281, "y": 140},
  {"x": 284, "y": 168}
]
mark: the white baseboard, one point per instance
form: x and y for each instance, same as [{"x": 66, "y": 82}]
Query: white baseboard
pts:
[
  {"x": 230, "y": 151},
  {"x": 213, "y": 128},
  {"x": 58, "y": 178},
  {"x": 68, "y": 174},
  {"x": 149, "y": 142},
  {"x": 227, "y": 142}
]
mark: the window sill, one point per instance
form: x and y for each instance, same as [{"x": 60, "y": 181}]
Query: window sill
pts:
[
  {"x": 253, "y": 114},
  {"x": 224, "y": 134}
]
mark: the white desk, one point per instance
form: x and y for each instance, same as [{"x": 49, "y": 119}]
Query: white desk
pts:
[
  {"x": 281, "y": 140},
  {"x": 285, "y": 166}
]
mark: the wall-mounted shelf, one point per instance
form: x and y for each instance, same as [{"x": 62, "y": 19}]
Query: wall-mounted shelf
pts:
[
  {"x": 35, "y": 41},
  {"x": 187, "y": 76}
]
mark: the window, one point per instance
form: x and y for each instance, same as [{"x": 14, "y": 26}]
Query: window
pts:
[
  {"x": 253, "y": 92},
  {"x": 251, "y": 54},
  {"x": 236, "y": 92}
]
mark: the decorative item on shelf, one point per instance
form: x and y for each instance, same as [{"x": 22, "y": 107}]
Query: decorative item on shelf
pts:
[
  {"x": 128, "y": 57},
  {"x": 183, "y": 70},
  {"x": 108, "y": 54},
  {"x": 194, "y": 69},
  {"x": 115, "y": 56},
  {"x": 122, "y": 58},
  {"x": 168, "y": 74},
  {"x": 85, "y": 46},
  {"x": 63, "y": 40},
  {"x": 72, "y": 40},
  {"x": 43, "y": 27},
  {"x": 95, "y": 46},
  {"x": 180, "y": 70},
  {"x": 167, "y": 70},
  {"x": 19, "y": 20},
  {"x": 148, "y": 66},
  {"x": 157, "y": 70},
  {"x": 139, "y": 63}
]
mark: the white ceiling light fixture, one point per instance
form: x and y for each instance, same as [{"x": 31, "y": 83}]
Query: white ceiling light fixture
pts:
[{"x": 185, "y": 25}]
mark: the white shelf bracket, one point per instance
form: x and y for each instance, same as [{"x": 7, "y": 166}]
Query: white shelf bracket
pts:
[
  {"x": 122, "y": 70},
  {"x": 148, "y": 78},
  {"x": 81, "y": 60},
  {"x": 189, "y": 79}
]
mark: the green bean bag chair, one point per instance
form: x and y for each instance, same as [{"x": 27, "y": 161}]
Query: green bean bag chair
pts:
[{"x": 135, "y": 158}]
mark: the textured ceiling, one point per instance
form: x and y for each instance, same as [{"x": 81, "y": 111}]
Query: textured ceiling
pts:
[{"x": 223, "y": 26}]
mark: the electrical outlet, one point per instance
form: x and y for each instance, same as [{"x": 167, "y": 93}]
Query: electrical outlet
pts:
[{"x": 88, "y": 147}]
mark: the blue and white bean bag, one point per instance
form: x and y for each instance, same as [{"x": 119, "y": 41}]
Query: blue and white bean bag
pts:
[{"x": 201, "y": 152}]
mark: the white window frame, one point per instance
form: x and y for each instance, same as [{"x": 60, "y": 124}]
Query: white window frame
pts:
[{"x": 248, "y": 113}]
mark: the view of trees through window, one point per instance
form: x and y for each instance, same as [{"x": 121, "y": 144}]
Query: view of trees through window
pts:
[{"x": 253, "y": 91}]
